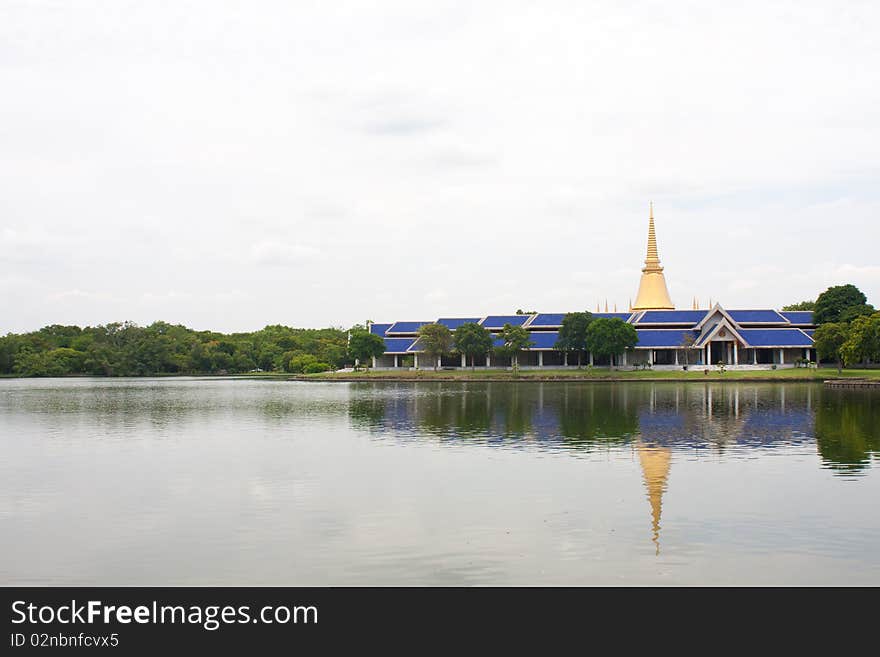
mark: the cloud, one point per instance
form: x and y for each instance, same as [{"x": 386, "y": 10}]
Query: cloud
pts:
[
  {"x": 403, "y": 127},
  {"x": 510, "y": 147},
  {"x": 282, "y": 254}
]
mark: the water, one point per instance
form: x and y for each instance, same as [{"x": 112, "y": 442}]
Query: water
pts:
[{"x": 207, "y": 481}]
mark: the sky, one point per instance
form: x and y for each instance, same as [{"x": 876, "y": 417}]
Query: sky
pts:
[{"x": 228, "y": 165}]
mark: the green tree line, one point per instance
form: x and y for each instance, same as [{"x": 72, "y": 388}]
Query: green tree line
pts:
[{"x": 126, "y": 349}]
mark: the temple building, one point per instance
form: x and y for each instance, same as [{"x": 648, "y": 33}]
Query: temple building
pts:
[{"x": 752, "y": 338}]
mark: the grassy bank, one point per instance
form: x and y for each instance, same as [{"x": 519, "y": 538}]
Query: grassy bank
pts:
[{"x": 794, "y": 374}]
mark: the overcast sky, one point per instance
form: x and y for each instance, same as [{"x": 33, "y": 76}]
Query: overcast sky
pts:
[{"x": 228, "y": 165}]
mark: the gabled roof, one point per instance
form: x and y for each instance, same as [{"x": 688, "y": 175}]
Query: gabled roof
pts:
[
  {"x": 798, "y": 316},
  {"x": 453, "y": 323},
  {"x": 776, "y": 337},
  {"x": 724, "y": 323},
  {"x": 405, "y": 327},
  {"x": 757, "y": 317},
  {"x": 689, "y": 317},
  {"x": 654, "y": 338},
  {"x": 498, "y": 321},
  {"x": 543, "y": 340},
  {"x": 715, "y": 310},
  {"x": 550, "y": 320},
  {"x": 379, "y": 329},
  {"x": 398, "y": 345}
]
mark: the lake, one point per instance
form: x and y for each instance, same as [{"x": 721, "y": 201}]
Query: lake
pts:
[{"x": 255, "y": 482}]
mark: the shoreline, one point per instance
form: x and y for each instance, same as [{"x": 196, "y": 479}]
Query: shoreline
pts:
[
  {"x": 850, "y": 378},
  {"x": 771, "y": 376}
]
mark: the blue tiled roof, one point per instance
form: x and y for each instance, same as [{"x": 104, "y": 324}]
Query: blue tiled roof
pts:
[
  {"x": 691, "y": 317},
  {"x": 497, "y": 342},
  {"x": 379, "y": 329},
  {"x": 809, "y": 331},
  {"x": 662, "y": 337},
  {"x": 798, "y": 316},
  {"x": 453, "y": 323},
  {"x": 498, "y": 321},
  {"x": 756, "y": 316},
  {"x": 405, "y": 327},
  {"x": 623, "y": 316},
  {"x": 543, "y": 339},
  {"x": 548, "y": 319},
  {"x": 398, "y": 345},
  {"x": 788, "y": 337}
]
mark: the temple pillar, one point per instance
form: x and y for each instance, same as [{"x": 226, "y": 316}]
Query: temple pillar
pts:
[
  {"x": 754, "y": 356},
  {"x": 623, "y": 358},
  {"x": 676, "y": 356},
  {"x": 395, "y": 360},
  {"x": 374, "y": 362},
  {"x": 540, "y": 359},
  {"x": 781, "y": 356},
  {"x": 565, "y": 359},
  {"x": 415, "y": 361},
  {"x": 488, "y": 360},
  {"x": 735, "y": 355},
  {"x": 439, "y": 362},
  {"x": 651, "y": 357},
  {"x": 591, "y": 359},
  {"x": 463, "y": 360}
]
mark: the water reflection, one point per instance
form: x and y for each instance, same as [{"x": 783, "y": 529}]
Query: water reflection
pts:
[
  {"x": 221, "y": 481},
  {"x": 848, "y": 429},
  {"x": 655, "y": 462},
  {"x": 656, "y": 420},
  {"x": 583, "y": 417}
]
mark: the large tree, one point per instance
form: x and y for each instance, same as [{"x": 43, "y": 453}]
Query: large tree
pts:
[
  {"x": 801, "y": 305},
  {"x": 363, "y": 345},
  {"x": 863, "y": 341},
  {"x": 828, "y": 340},
  {"x": 436, "y": 340},
  {"x": 472, "y": 340},
  {"x": 573, "y": 333},
  {"x": 514, "y": 339},
  {"x": 610, "y": 336},
  {"x": 833, "y": 303}
]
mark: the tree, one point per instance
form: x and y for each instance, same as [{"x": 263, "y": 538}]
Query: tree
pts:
[
  {"x": 514, "y": 339},
  {"x": 573, "y": 333},
  {"x": 854, "y": 312},
  {"x": 687, "y": 343},
  {"x": 801, "y": 305},
  {"x": 832, "y": 303},
  {"x": 520, "y": 311},
  {"x": 863, "y": 341},
  {"x": 828, "y": 340},
  {"x": 436, "y": 340},
  {"x": 472, "y": 340},
  {"x": 610, "y": 336},
  {"x": 363, "y": 345}
]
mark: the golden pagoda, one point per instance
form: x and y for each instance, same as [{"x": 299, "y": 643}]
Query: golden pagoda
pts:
[
  {"x": 653, "y": 294},
  {"x": 655, "y": 470}
]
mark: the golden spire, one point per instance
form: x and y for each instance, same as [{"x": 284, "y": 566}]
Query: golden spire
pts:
[
  {"x": 615, "y": 306},
  {"x": 653, "y": 294},
  {"x": 655, "y": 462},
  {"x": 597, "y": 306},
  {"x": 630, "y": 304},
  {"x": 652, "y": 262},
  {"x": 606, "y": 305}
]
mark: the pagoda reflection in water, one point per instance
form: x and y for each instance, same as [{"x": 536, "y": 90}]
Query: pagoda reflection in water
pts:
[{"x": 656, "y": 420}]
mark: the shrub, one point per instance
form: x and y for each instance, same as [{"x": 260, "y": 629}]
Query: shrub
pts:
[{"x": 314, "y": 368}]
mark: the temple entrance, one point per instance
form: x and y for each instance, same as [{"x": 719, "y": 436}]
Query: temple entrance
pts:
[{"x": 719, "y": 352}]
